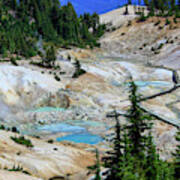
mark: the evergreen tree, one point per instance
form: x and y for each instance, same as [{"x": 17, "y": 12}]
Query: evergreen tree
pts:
[
  {"x": 25, "y": 21},
  {"x": 177, "y": 156},
  {"x": 114, "y": 157},
  {"x": 50, "y": 58},
  {"x": 126, "y": 10},
  {"x": 98, "y": 169},
  {"x": 139, "y": 122},
  {"x": 134, "y": 154},
  {"x": 95, "y": 22},
  {"x": 78, "y": 71},
  {"x": 129, "y": 2}
]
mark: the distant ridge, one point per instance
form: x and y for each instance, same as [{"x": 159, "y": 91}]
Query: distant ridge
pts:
[{"x": 98, "y": 6}]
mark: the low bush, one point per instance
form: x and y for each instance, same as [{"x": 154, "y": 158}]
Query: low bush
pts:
[
  {"x": 18, "y": 169},
  {"x": 50, "y": 141},
  {"x": 129, "y": 23},
  {"x": 57, "y": 78},
  {"x": 22, "y": 140},
  {"x": 160, "y": 46},
  {"x": 14, "y": 129},
  {"x": 78, "y": 71},
  {"x": 13, "y": 61},
  {"x": 157, "y": 23},
  {"x": 161, "y": 27},
  {"x": 167, "y": 22},
  {"x": 2, "y": 127}
]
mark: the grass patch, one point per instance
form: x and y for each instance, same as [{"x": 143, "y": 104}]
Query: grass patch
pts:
[
  {"x": 18, "y": 169},
  {"x": 160, "y": 46},
  {"x": 23, "y": 141}
]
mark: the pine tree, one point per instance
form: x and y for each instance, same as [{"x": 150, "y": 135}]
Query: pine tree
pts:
[
  {"x": 98, "y": 169},
  {"x": 23, "y": 22},
  {"x": 139, "y": 122},
  {"x": 126, "y": 10},
  {"x": 129, "y": 2},
  {"x": 95, "y": 22},
  {"x": 50, "y": 58},
  {"x": 177, "y": 156},
  {"x": 78, "y": 71},
  {"x": 113, "y": 159},
  {"x": 134, "y": 154}
]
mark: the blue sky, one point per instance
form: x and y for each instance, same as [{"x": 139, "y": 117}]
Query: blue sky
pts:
[{"x": 99, "y": 6}]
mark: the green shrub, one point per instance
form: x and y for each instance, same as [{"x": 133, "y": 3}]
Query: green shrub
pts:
[
  {"x": 167, "y": 22},
  {"x": 177, "y": 15},
  {"x": 14, "y": 129},
  {"x": 2, "y": 127},
  {"x": 13, "y": 61},
  {"x": 175, "y": 20},
  {"x": 18, "y": 58},
  {"x": 113, "y": 28},
  {"x": 22, "y": 140},
  {"x": 157, "y": 23},
  {"x": 160, "y": 46},
  {"x": 18, "y": 169},
  {"x": 152, "y": 49},
  {"x": 50, "y": 141},
  {"x": 69, "y": 57},
  {"x": 160, "y": 27},
  {"x": 78, "y": 71},
  {"x": 142, "y": 18},
  {"x": 57, "y": 78},
  {"x": 62, "y": 72},
  {"x": 156, "y": 52},
  {"x": 129, "y": 23}
]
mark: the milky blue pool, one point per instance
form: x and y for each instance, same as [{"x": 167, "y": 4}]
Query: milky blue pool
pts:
[
  {"x": 78, "y": 134},
  {"x": 156, "y": 84},
  {"x": 61, "y": 127},
  {"x": 86, "y": 138},
  {"x": 153, "y": 83}
]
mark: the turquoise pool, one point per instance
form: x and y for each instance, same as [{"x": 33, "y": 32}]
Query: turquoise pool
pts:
[
  {"x": 153, "y": 83},
  {"x": 61, "y": 127},
  {"x": 86, "y": 138}
]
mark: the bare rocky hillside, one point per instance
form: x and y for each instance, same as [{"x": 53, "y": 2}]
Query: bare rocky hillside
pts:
[
  {"x": 37, "y": 104},
  {"x": 154, "y": 40}
]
